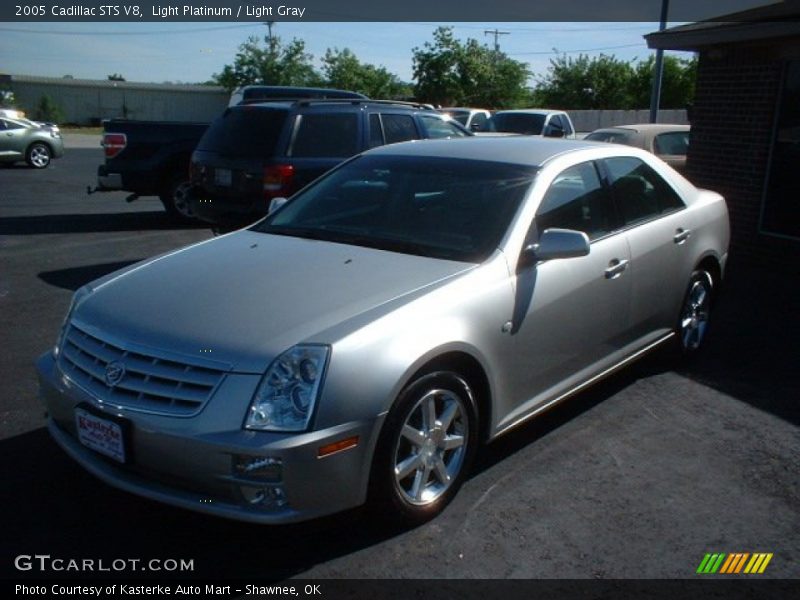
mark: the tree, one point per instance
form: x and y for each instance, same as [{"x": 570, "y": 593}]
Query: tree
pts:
[
  {"x": 602, "y": 82},
  {"x": 269, "y": 62},
  {"x": 449, "y": 72},
  {"x": 47, "y": 110},
  {"x": 677, "y": 82},
  {"x": 343, "y": 70},
  {"x": 116, "y": 77}
]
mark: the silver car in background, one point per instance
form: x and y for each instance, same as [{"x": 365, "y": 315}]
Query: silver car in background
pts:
[
  {"x": 366, "y": 337},
  {"x": 35, "y": 143}
]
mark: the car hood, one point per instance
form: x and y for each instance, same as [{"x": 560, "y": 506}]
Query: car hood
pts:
[{"x": 241, "y": 299}]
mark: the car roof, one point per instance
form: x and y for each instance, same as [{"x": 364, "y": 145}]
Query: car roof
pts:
[
  {"x": 529, "y": 111},
  {"x": 337, "y": 102},
  {"x": 646, "y": 127},
  {"x": 520, "y": 150}
]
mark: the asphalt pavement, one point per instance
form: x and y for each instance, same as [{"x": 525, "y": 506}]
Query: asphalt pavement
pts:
[{"x": 638, "y": 477}]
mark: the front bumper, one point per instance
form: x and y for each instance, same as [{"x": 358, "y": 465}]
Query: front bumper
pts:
[{"x": 191, "y": 462}]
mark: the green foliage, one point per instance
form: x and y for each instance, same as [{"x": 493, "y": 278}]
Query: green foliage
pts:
[
  {"x": 47, "y": 110},
  {"x": 677, "y": 82},
  {"x": 604, "y": 82},
  {"x": 451, "y": 73},
  {"x": 116, "y": 77},
  {"x": 269, "y": 62},
  {"x": 7, "y": 99},
  {"x": 343, "y": 70}
]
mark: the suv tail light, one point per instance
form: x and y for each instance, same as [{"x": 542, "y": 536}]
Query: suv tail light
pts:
[
  {"x": 114, "y": 143},
  {"x": 277, "y": 180}
]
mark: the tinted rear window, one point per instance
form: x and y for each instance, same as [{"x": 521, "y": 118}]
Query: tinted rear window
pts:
[
  {"x": 326, "y": 135},
  {"x": 529, "y": 124},
  {"x": 245, "y": 132}
]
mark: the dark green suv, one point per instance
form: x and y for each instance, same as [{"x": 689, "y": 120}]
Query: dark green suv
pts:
[{"x": 254, "y": 153}]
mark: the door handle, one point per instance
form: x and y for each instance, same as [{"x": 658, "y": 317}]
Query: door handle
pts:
[
  {"x": 615, "y": 268},
  {"x": 681, "y": 235}
]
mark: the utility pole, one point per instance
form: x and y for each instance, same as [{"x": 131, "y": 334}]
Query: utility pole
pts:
[
  {"x": 658, "y": 68},
  {"x": 269, "y": 25},
  {"x": 496, "y": 33}
]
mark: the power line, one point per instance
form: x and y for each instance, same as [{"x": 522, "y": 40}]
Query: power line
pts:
[{"x": 556, "y": 51}]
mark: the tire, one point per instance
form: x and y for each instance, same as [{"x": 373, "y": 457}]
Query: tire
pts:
[
  {"x": 38, "y": 155},
  {"x": 175, "y": 197},
  {"x": 695, "y": 313},
  {"x": 421, "y": 460}
]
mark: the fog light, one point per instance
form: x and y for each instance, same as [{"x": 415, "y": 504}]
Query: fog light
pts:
[
  {"x": 264, "y": 497},
  {"x": 260, "y": 468}
]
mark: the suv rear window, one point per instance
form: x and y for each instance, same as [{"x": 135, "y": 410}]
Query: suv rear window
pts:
[
  {"x": 325, "y": 135},
  {"x": 245, "y": 131}
]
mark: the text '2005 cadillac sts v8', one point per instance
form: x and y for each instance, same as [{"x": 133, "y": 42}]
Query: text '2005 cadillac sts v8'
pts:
[{"x": 364, "y": 338}]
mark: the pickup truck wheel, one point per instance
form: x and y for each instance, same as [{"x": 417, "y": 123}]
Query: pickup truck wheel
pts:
[{"x": 176, "y": 197}]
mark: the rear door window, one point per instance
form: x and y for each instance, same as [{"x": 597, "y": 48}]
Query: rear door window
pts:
[
  {"x": 245, "y": 131},
  {"x": 322, "y": 135},
  {"x": 639, "y": 192},
  {"x": 672, "y": 143},
  {"x": 398, "y": 128}
]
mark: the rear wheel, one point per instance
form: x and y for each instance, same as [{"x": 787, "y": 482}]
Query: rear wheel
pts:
[
  {"x": 426, "y": 447},
  {"x": 176, "y": 197},
  {"x": 38, "y": 155},
  {"x": 695, "y": 312}
]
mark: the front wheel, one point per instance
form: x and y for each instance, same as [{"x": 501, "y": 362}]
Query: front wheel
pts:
[
  {"x": 426, "y": 447},
  {"x": 38, "y": 156},
  {"x": 695, "y": 312}
]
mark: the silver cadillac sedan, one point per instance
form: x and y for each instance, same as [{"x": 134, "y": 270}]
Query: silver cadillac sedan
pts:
[{"x": 361, "y": 341}]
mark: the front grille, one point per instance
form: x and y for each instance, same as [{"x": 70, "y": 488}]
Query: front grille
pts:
[{"x": 150, "y": 383}]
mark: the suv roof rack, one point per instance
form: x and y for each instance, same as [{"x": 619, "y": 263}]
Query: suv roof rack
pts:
[{"x": 356, "y": 101}]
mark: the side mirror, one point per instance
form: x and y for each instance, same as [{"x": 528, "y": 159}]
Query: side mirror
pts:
[
  {"x": 276, "y": 203},
  {"x": 555, "y": 243}
]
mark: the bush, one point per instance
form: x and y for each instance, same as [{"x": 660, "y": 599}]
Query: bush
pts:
[{"x": 47, "y": 110}]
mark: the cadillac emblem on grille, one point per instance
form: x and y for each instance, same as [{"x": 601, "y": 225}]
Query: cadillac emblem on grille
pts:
[{"x": 115, "y": 372}]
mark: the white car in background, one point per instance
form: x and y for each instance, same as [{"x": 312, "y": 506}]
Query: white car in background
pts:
[
  {"x": 474, "y": 119},
  {"x": 533, "y": 121}
]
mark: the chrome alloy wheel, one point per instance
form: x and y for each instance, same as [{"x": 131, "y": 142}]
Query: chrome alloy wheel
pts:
[
  {"x": 39, "y": 156},
  {"x": 694, "y": 317},
  {"x": 430, "y": 449}
]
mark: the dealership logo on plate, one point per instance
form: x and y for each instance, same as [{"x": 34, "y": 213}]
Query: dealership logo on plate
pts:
[{"x": 115, "y": 372}]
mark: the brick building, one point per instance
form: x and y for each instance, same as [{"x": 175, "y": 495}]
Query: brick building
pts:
[{"x": 746, "y": 124}]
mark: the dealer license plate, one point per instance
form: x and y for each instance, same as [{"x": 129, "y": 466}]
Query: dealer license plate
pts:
[
  {"x": 222, "y": 177},
  {"x": 101, "y": 435}
]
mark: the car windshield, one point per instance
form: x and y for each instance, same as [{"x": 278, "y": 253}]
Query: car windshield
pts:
[
  {"x": 528, "y": 124},
  {"x": 445, "y": 208},
  {"x": 462, "y": 116}
]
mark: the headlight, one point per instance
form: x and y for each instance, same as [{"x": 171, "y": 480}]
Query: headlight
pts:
[
  {"x": 77, "y": 298},
  {"x": 286, "y": 396}
]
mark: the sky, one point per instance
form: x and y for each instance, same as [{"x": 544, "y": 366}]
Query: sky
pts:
[{"x": 193, "y": 52}]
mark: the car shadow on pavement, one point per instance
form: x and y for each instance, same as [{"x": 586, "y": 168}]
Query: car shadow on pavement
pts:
[
  {"x": 752, "y": 348},
  {"x": 63, "y": 511},
  {"x": 92, "y": 223},
  {"x": 75, "y": 277}
]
